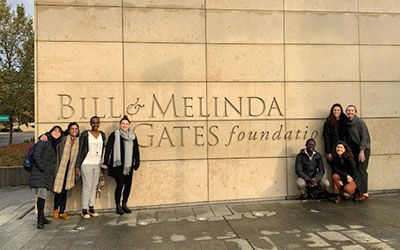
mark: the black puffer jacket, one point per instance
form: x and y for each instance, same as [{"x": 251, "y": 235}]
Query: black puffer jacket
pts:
[
  {"x": 307, "y": 169},
  {"x": 44, "y": 168}
]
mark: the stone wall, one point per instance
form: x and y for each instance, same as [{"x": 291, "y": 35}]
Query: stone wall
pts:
[{"x": 223, "y": 93}]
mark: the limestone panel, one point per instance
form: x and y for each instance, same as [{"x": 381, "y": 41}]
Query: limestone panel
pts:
[
  {"x": 73, "y": 61},
  {"x": 246, "y": 5},
  {"x": 172, "y": 140},
  {"x": 379, "y": 63},
  {"x": 79, "y": 23},
  {"x": 164, "y": 62},
  {"x": 233, "y": 139},
  {"x": 322, "y": 63},
  {"x": 384, "y": 134},
  {"x": 244, "y": 26},
  {"x": 379, "y": 29},
  {"x": 153, "y": 184},
  {"x": 299, "y": 131},
  {"x": 165, "y": 3},
  {"x": 292, "y": 176},
  {"x": 375, "y": 97},
  {"x": 390, "y": 6},
  {"x": 315, "y": 99},
  {"x": 245, "y": 100},
  {"x": 169, "y": 182},
  {"x": 321, "y": 5},
  {"x": 146, "y": 101},
  {"x": 77, "y": 101},
  {"x": 80, "y": 2},
  {"x": 245, "y": 62},
  {"x": 247, "y": 178},
  {"x": 321, "y": 27},
  {"x": 383, "y": 172},
  {"x": 164, "y": 25}
]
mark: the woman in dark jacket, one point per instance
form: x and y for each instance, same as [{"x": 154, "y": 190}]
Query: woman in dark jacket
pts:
[
  {"x": 67, "y": 154},
  {"x": 43, "y": 171},
  {"x": 343, "y": 171},
  {"x": 122, "y": 157},
  {"x": 334, "y": 129},
  {"x": 88, "y": 164}
]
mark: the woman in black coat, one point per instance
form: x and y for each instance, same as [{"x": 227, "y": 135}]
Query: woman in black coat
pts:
[
  {"x": 344, "y": 171},
  {"x": 122, "y": 157},
  {"x": 334, "y": 129},
  {"x": 43, "y": 171}
]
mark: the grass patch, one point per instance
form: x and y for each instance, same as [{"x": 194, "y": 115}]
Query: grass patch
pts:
[{"x": 14, "y": 155}]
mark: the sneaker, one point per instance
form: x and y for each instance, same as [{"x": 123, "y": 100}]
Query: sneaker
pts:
[
  {"x": 56, "y": 215},
  {"x": 92, "y": 212},
  {"x": 64, "y": 216},
  {"x": 86, "y": 216}
]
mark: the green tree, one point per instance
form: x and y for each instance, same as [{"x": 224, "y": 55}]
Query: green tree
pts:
[{"x": 16, "y": 65}]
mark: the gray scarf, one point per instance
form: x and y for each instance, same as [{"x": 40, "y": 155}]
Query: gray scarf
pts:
[{"x": 128, "y": 137}]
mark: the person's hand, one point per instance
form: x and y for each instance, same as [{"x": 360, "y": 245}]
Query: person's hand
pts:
[
  {"x": 361, "y": 156},
  {"x": 313, "y": 182},
  {"x": 329, "y": 157},
  {"x": 43, "y": 138},
  {"x": 341, "y": 183},
  {"x": 349, "y": 179},
  {"x": 77, "y": 172}
]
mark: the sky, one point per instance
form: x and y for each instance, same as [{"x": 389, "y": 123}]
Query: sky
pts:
[{"x": 27, "y": 3}]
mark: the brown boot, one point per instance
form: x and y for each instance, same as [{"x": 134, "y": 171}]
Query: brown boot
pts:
[
  {"x": 64, "y": 216},
  {"x": 56, "y": 215}
]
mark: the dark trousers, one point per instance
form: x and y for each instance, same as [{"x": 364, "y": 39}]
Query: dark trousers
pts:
[
  {"x": 362, "y": 174},
  {"x": 60, "y": 201},
  {"x": 123, "y": 182}
]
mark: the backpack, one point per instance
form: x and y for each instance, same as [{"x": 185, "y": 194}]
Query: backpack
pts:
[{"x": 29, "y": 161}]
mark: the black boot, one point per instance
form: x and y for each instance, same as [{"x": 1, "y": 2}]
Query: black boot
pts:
[
  {"x": 125, "y": 208},
  {"x": 40, "y": 222},
  {"x": 45, "y": 221},
  {"x": 119, "y": 209}
]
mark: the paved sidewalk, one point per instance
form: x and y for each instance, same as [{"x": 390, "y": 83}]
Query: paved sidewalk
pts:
[{"x": 373, "y": 224}]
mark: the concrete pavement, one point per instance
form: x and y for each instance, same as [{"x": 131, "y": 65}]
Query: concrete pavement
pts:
[{"x": 373, "y": 224}]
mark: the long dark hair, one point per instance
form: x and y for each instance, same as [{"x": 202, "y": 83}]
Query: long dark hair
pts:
[
  {"x": 346, "y": 154},
  {"x": 66, "y": 132},
  {"x": 332, "y": 119}
]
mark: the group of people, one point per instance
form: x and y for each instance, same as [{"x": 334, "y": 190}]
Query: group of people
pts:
[
  {"x": 61, "y": 158},
  {"x": 347, "y": 147}
]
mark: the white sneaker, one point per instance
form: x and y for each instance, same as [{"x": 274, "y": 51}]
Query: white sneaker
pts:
[
  {"x": 95, "y": 214},
  {"x": 86, "y": 216}
]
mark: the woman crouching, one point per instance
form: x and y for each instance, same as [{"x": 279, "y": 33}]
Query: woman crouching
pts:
[
  {"x": 122, "y": 157},
  {"x": 343, "y": 171}
]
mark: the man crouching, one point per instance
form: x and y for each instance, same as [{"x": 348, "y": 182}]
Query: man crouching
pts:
[{"x": 310, "y": 171}]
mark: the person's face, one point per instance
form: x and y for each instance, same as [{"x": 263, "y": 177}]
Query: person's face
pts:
[
  {"x": 351, "y": 112},
  {"x": 340, "y": 149},
  {"x": 95, "y": 123},
  {"x": 124, "y": 125},
  {"x": 310, "y": 146},
  {"x": 56, "y": 133},
  {"x": 74, "y": 130},
  {"x": 336, "y": 111}
]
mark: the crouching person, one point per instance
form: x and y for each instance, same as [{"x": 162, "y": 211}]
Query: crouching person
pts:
[{"x": 310, "y": 171}]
